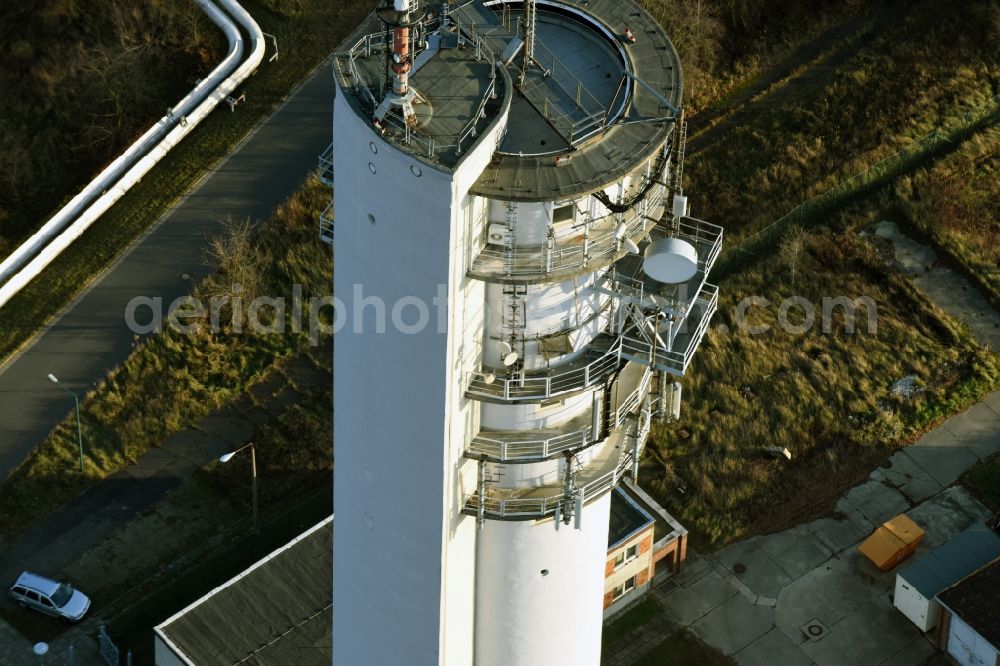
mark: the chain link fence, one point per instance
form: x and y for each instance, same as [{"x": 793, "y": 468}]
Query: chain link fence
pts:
[{"x": 860, "y": 185}]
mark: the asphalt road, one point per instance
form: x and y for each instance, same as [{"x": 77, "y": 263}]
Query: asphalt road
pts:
[{"x": 91, "y": 337}]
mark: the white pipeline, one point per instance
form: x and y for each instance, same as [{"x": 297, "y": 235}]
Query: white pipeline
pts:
[{"x": 111, "y": 190}]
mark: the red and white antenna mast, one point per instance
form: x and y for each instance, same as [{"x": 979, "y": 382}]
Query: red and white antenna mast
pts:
[{"x": 401, "y": 96}]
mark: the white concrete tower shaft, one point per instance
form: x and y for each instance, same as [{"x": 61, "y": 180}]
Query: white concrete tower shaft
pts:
[{"x": 498, "y": 343}]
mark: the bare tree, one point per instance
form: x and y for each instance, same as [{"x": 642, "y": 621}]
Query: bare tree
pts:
[{"x": 239, "y": 259}]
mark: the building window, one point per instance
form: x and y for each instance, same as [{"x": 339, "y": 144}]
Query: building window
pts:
[
  {"x": 626, "y": 556},
  {"x": 623, "y": 589}
]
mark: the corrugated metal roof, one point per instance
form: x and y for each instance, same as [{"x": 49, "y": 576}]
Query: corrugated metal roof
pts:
[
  {"x": 276, "y": 613},
  {"x": 952, "y": 561},
  {"x": 974, "y": 599}
]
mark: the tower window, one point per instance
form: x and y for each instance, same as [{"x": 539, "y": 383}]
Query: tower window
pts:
[{"x": 564, "y": 212}]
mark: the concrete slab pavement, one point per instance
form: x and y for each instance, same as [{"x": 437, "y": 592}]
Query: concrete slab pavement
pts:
[
  {"x": 848, "y": 526},
  {"x": 734, "y": 625},
  {"x": 827, "y": 580},
  {"x": 795, "y": 551},
  {"x": 944, "y": 463},
  {"x": 872, "y": 635},
  {"x": 770, "y": 649},
  {"x": 689, "y": 604},
  {"x": 877, "y": 501},
  {"x": 750, "y": 564}
]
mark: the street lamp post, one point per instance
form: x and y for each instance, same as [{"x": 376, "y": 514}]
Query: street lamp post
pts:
[
  {"x": 79, "y": 432},
  {"x": 253, "y": 471}
]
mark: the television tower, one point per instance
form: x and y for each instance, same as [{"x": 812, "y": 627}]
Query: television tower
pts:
[{"x": 521, "y": 286}]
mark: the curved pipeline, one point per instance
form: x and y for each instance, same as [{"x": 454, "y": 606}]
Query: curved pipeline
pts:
[
  {"x": 154, "y": 155},
  {"x": 154, "y": 134}
]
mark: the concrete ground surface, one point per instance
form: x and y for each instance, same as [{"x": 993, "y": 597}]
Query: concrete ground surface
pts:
[
  {"x": 90, "y": 337},
  {"x": 949, "y": 290},
  {"x": 753, "y": 599}
]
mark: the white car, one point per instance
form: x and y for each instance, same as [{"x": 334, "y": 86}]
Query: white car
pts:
[{"x": 50, "y": 597}]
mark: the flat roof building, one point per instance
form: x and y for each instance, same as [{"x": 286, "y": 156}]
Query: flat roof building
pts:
[{"x": 276, "y": 613}]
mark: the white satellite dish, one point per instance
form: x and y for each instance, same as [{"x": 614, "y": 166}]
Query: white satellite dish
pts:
[
  {"x": 507, "y": 353},
  {"x": 670, "y": 260},
  {"x": 620, "y": 230},
  {"x": 489, "y": 378},
  {"x": 630, "y": 246}
]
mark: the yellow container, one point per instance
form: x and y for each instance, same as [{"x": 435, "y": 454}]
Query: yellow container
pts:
[{"x": 892, "y": 543}]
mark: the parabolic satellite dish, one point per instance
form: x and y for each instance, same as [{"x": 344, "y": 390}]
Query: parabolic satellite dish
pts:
[{"x": 670, "y": 260}]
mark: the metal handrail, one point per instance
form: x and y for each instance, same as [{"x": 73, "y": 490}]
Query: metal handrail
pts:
[
  {"x": 554, "y": 258},
  {"x": 538, "y": 507},
  {"x": 326, "y": 224},
  {"x": 326, "y": 166},
  {"x": 429, "y": 145},
  {"x": 645, "y": 351},
  {"x": 533, "y": 449},
  {"x": 510, "y": 449},
  {"x": 700, "y": 234},
  {"x": 548, "y": 385}
]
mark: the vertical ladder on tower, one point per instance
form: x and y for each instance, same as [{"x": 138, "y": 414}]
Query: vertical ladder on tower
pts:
[
  {"x": 677, "y": 174},
  {"x": 606, "y": 405},
  {"x": 510, "y": 240},
  {"x": 681, "y": 146},
  {"x": 529, "y": 40},
  {"x": 517, "y": 321}
]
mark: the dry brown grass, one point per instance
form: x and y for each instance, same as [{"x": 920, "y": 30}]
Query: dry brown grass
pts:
[
  {"x": 956, "y": 203},
  {"x": 826, "y": 397}
]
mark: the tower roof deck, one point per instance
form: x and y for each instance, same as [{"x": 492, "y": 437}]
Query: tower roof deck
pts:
[{"x": 586, "y": 110}]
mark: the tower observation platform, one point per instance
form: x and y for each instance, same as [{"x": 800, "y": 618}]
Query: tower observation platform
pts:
[{"x": 519, "y": 165}]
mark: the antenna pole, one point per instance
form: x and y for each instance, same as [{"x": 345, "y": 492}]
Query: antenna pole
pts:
[{"x": 529, "y": 39}]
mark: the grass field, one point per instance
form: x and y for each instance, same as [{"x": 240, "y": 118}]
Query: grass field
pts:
[
  {"x": 307, "y": 32},
  {"x": 956, "y": 204},
  {"x": 173, "y": 379},
  {"x": 835, "y": 122},
  {"x": 633, "y": 618},
  {"x": 80, "y": 84},
  {"x": 826, "y": 396}
]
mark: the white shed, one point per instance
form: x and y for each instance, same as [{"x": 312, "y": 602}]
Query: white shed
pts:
[
  {"x": 970, "y": 618},
  {"x": 918, "y": 584}
]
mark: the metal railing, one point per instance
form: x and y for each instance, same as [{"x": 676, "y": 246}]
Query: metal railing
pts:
[
  {"x": 562, "y": 99},
  {"x": 424, "y": 143},
  {"x": 523, "y": 508},
  {"x": 326, "y": 166},
  {"x": 326, "y": 224},
  {"x": 557, "y": 259},
  {"x": 514, "y": 446},
  {"x": 628, "y": 283},
  {"x": 542, "y": 385},
  {"x": 504, "y": 449},
  {"x": 645, "y": 348}
]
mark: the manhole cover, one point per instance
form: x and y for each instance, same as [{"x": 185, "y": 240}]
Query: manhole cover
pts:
[
  {"x": 739, "y": 568},
  {"x": 814, "y": 630}
]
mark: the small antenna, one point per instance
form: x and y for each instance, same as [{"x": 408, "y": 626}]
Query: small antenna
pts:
[{"x": 529, "y": 39}]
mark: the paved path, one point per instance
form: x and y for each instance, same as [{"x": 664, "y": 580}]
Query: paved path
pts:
[
  {"x": 90, "y": 337},
  {"x": 52, "y": 544}
]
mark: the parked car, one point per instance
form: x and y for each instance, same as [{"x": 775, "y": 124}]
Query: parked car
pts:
[{"x": 50, "y": 597}]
